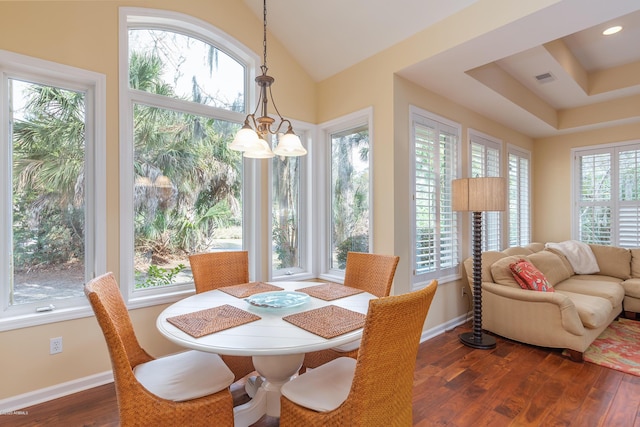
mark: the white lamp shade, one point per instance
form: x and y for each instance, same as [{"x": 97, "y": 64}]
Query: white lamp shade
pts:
[
  {"x": 289, "y": 145},
  {"x": 262, "y": 152},
  {"x": 246, "y": 139},
  {"x": 479, "y": 194}
]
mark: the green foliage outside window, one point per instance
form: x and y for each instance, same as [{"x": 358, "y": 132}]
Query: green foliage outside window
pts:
[
  {"x": 158, "y": 276},
  {"x": 359, "y": 243},
  {"x": 48, "y": 177}
]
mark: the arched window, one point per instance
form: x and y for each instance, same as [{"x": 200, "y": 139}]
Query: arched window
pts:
[{"x": 184, "y": 93}]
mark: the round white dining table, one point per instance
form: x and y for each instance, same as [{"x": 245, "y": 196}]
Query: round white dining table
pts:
[{"x": 277, "y": 347}]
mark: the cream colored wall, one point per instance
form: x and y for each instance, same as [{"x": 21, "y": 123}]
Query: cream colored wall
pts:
[
  {"x": 85, "y": 35},
  {"x": 552, "y": 165}
]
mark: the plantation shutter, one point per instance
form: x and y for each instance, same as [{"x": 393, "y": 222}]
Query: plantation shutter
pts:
[
  {"x": 435, "y": 227},
  {"x": 519, "y": 216},
  {"x": 485, "y": 162},
  {"x": 608, "y": 198},
  {"x": 629, "y": 198},
  {"x": 595, "y": 198}
]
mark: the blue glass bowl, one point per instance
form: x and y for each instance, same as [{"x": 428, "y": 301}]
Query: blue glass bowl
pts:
[{"x": 278, "y": 299}]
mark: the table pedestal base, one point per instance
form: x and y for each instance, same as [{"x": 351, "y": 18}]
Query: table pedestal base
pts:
[{"x": 277, "y": 371}]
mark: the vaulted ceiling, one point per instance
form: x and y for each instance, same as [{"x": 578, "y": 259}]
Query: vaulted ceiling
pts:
[{"x": 593, "y": 80}]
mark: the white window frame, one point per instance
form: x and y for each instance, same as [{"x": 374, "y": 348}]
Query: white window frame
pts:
[
  {"x": 419, "y": 115},
  {"x": 322, "y": 236},
  {"x": 252, "y": 198},
  {"x": 488, "y": 218},
  {"x": 305, "y": 271},
  {"x": 612, "y": 149},
  {"x": 519, "y": 153},
  {"x": 93, "y": 84}
]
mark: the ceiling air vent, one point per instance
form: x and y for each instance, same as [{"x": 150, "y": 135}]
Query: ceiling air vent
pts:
[{"x": 545, "y": 78}]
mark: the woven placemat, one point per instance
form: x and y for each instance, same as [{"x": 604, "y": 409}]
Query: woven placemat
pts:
[
  {"x": 330, "y": 291},
  {"x": 205, "y": 322},
  {"x": 245, "y": 290},
  {"x": 329, "y": 321}
]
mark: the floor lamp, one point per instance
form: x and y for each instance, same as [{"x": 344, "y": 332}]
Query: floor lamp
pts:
[{"x": 478, "y": 195}]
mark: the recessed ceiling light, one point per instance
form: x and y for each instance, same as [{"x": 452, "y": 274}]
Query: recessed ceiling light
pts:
[{"x": 612, "y": 30}]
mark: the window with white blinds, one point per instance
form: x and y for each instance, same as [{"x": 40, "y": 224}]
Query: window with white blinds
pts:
[
  {"x": 608, "y": 195},
  {"x": 435, "y": 230},
  {"x": 519, "y": 208},
  {"x": 485, "y": 162},
  {"x": 629, "y": 197}
]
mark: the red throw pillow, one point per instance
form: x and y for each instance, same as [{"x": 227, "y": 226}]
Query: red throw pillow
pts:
[{"x": 529, "y": 277}]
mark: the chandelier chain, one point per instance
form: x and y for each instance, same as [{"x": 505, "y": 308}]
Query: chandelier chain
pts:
[{"x": 264, "y": 39}]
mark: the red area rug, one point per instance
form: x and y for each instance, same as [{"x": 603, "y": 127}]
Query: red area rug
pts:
[{"x": 617, "y": 347}]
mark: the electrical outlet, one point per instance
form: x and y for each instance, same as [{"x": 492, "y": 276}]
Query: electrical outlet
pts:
[{"x": 55, "y": 345}]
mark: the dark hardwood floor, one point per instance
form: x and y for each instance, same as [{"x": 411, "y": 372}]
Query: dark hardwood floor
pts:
[{"x": 511, "y": 385}]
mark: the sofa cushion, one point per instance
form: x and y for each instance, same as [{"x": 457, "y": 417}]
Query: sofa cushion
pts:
[
  {"x": 551, "y": 265},
  {"x": 613, "y": 261},
  {"x": 596, "y": 278},
  {"x": 535, "y": 246},
  {"x": 610, "y": 291},
  {"x": 563, "y": 258},
  {"x": 635, "y": 262},
  {"x": 529, "y": 277},
  {"x": 593, "y": 311},
  {"x": 518, "y": 250},
  {"x": 632, "y": 287},
  {"x": 488, "y": 258},
  {"x": 501, "y": 272}
]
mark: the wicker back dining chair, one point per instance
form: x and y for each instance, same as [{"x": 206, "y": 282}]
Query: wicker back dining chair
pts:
[
  {"x": 213, "y": 270},
  {"x": 376, "y": 388},
  {"x": 188, "y": 388},
  {"x": 372, "y": 273}
]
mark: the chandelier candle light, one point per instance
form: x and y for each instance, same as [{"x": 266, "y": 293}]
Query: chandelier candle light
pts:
[
  {"x": 478, "y": 195},
  {"x": 252, "y": 138}
]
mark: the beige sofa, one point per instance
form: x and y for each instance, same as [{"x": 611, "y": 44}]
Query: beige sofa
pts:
[{"x": 581, "y": 307}]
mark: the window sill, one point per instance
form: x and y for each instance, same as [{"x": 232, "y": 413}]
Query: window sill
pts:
[
  {"x": 31, "y": 319},
  {"x": 37, "y": 319},
  {"x": 143, "y": 301}
]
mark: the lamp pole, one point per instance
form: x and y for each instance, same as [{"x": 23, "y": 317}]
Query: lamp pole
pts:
[{"x": 476, "y": 338}]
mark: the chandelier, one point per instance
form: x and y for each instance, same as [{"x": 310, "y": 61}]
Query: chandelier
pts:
[{"x": 252, "y": 138}]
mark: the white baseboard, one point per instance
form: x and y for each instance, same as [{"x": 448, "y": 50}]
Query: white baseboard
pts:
[
  {"x": 25, "y": 400},
  {"x": 443, "y": 327}
]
